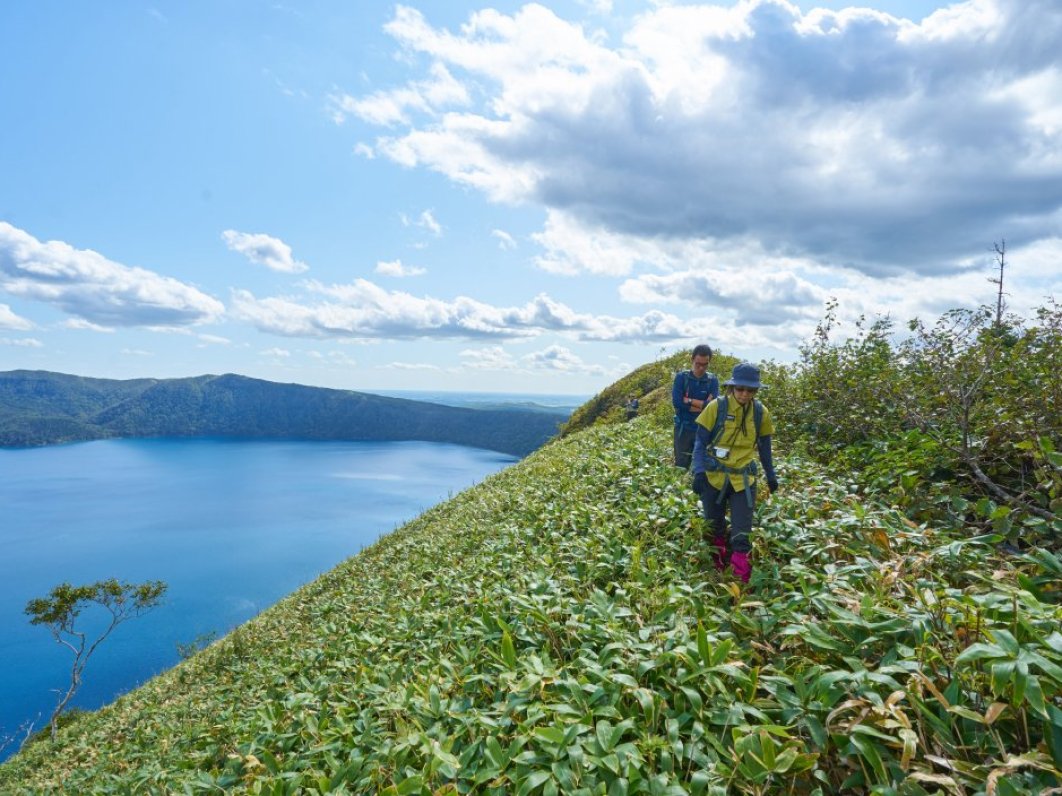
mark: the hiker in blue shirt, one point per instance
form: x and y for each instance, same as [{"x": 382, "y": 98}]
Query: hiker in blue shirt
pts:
[
  {"x": 690, "y": 393},
  {"x": 732, "y": 433},
  {"x": 632, "y": 407}
]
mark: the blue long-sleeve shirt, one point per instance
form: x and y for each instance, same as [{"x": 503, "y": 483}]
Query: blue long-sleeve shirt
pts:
[{"x": 686, "y": 385}]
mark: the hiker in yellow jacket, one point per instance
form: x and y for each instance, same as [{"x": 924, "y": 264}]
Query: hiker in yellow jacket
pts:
[{"x": 725, "y": 472}]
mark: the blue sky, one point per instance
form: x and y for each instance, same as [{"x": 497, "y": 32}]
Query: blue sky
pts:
[{"x": 507, "y": 196}]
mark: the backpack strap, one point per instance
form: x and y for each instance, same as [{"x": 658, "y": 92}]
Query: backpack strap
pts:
[{"x": 720, "y": 419}]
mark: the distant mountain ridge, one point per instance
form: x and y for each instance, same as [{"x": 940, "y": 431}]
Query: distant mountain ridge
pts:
[{"x": 42, "y": 408}]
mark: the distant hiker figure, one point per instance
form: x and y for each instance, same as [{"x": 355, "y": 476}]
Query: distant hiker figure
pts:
[
  {"x": 632, "y": 407},
  {"x": 732, "y": 432},
  {"x": 690, "y": 393}
]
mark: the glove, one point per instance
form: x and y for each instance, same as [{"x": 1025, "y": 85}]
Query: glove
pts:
[
  {"x": 772, "y": 484},
  {"x": 700, "y": 483}
]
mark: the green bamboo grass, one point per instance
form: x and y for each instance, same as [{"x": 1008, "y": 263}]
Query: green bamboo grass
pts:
[{"x": 559, "y": 629}]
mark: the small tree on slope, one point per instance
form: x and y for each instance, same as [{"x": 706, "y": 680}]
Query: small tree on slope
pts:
[{"x": 59, "y": 612}]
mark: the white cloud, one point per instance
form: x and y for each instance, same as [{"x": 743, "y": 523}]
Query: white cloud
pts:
[
  {"x": 505, "y": 240},
  {"x": 555, "y": 358},
  {"x": 396, "y": 269},
  {"x": 850, "y": 138},
  {"x": 90, "y": 287},
  {"x": 275, "y": 352},
  {"x": 213, "y": 339},
  {"x": 363, "y": 310},
  {"x": 757, "y": 298},
  {"x": 81, "y": 324},
  {"x": 572, "y": 247},
  {"x": 136, "y": 352},
  {"x": 394, "y": 107},
  {"x": 265, "y": 250},
  {"x": 24, "y": 342},
  {"x": 602, "y": 7},
  {"x": 411, "y": 366},
  {"x": 488, "y": 358},
  {"x": 10, "y": 320},
  {"x": 559, "y": 358},
  {"x": 364, "y": 150},
  {"x": 428, "y": 222}
]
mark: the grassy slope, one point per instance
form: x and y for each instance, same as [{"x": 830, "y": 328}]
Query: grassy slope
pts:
[
  {"x": 650, "y": 383},
  {"x": 556, "y": 628}
]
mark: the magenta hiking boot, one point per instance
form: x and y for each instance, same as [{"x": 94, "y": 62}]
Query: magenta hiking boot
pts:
[
  {"x": 741, "y": 565},
  {"x": 722, "y": 553}
]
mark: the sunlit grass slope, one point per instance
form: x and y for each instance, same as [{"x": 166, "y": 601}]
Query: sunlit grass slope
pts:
[
  {"x": 557, "y": 629},
  {"x": 650, "y": 384}
]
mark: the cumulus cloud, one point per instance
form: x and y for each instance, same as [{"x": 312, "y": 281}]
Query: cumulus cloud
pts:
[
  {"x": 559, "y": 358},
  {"x": 81, "y": 324},
  {"x": 364, "y": 310},
  {"x": 488, "y": 358},
  {"x": 767, "y": 299},
  {"x": 572, "y": 247},
  {"x": 554, "y": 358},
  {"x": 90, "y": 287},
  {"x": 851, "y": 137},
  {"x": 395, "y": 106},
  {"x": 10, "y": 320},
  {"x": 396, "y": 269},
  {"x": 265, "y": 250},
  {"x": 438, "y": 90}
]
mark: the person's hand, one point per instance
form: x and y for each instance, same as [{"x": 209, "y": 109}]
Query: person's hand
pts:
[
  {"x": 700, "y": 483},
  {"x": 772, "y": 484}
]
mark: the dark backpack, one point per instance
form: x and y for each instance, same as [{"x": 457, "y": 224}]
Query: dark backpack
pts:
[
  {"x": 720, "y": 419},
  {"x": 688, "y": 374}
]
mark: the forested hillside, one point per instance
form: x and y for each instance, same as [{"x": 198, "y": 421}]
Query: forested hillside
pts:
[
  {"x": 560, "y": 628},
  {"x": 39, "y": 408}
]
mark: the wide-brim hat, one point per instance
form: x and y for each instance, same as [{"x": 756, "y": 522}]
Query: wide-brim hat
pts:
[{"x": 745, "y": 374}]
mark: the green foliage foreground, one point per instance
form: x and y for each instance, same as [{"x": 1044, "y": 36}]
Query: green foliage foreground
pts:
[{"x": 559, "y": 629}]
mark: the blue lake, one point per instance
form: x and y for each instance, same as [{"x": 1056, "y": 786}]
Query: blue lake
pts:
[{"x": 230, "y": 526}]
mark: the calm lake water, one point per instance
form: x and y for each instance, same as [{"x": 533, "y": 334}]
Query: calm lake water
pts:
[{"x": 231, "y": 526}]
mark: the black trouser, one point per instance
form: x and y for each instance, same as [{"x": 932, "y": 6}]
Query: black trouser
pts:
[
  {"x": 685, "y": 435},
  {"x": 740, "y": 514}
]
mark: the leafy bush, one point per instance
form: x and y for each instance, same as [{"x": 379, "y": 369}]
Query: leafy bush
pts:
[{"x": 966, "y": 411}]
